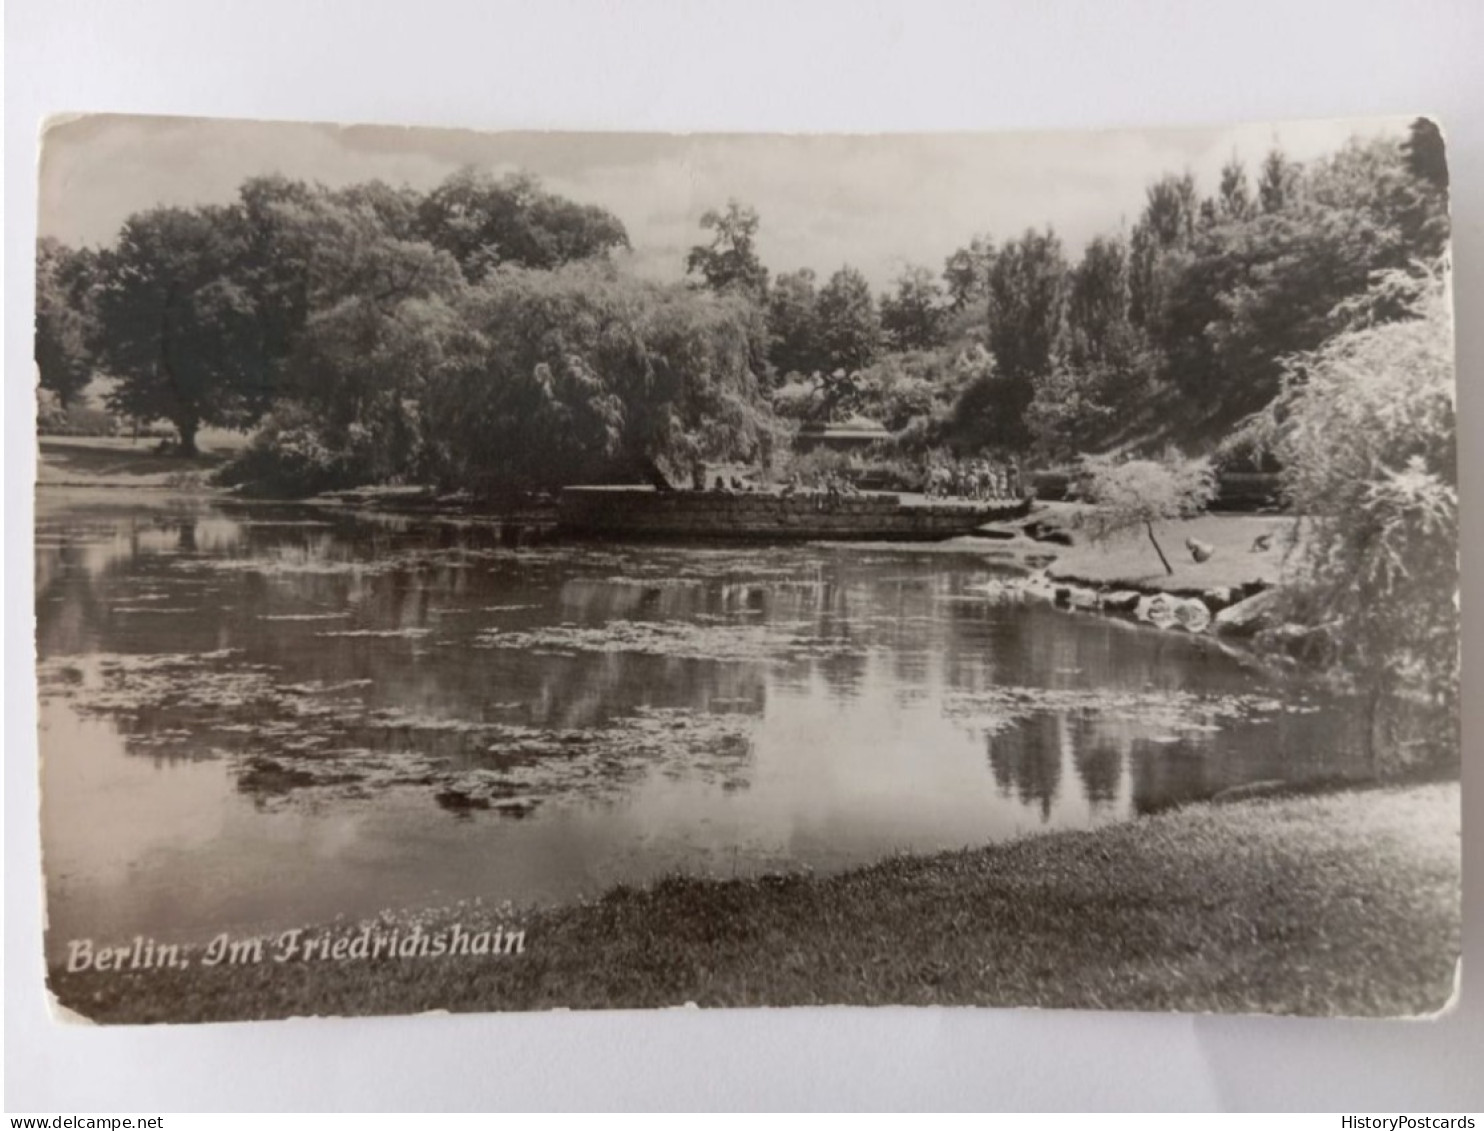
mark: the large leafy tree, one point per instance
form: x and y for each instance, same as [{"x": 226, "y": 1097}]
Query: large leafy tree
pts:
[
  {"x": 1026, "y": 291},
  {"x": 730, "y": 261},
  {"x": 1165, "y": 228},
  {"x": 586, "y": 373},
  {"x": 1096, "y": 363},
  {"x": 64, "y": 316},
  {"x": 1027, "y": 285},
  {"x": 1096, "y": 327},
  {"x": 359, "y": 320},
  {"x": 913, "y": 317},
  {"x": 176, "y": 327},
  {"x": 793, "y": 324},
  {"x": 849, "y": 326},
  {"x": 485, "y": 222}
]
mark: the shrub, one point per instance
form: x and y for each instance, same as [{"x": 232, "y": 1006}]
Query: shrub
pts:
[{"x": 288, "y": 457}]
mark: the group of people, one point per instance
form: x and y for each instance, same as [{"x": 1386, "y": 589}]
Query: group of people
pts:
[
  {"x": 978, "y": 479},
  {"x": 974, "y": 479}
]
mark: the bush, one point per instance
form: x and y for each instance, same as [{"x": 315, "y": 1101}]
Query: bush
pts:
[{"x": 289, "y": 458}]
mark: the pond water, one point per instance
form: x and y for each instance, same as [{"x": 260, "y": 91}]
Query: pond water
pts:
[{"x": 255, "y": 717}]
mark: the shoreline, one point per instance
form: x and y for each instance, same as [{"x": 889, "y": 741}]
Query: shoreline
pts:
[
  {"x": 1344, "y": 902},
  {"x": 1221, "y": 598},
  {"x": 1113, "y": 579}
]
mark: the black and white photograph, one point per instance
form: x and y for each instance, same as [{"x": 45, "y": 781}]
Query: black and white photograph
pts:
[{"x": 516, "y": 571}]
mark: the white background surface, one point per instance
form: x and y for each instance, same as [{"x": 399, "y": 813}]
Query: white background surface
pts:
[{"x": 740, "y": 66}]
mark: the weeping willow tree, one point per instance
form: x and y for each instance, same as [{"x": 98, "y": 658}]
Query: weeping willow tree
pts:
[
  {"x": 585, "y": 374},
  {"x": 1365, "y": 429}
]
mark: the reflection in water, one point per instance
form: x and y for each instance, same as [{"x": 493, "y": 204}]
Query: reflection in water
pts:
[{"x": 255, "y": 716}]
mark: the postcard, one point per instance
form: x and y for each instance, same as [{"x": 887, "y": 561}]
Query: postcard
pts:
[{"x": 522, "y": 571}]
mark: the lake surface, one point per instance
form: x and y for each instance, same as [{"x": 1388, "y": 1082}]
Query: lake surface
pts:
[{"x": 255, "y": 717}]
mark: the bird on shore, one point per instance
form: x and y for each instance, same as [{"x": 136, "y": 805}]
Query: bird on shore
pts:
[
  {"x": 1200, "y": 551},
  {"x": 1262, "y": 543}
]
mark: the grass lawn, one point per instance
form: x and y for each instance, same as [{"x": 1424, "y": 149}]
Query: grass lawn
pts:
[
  {"x": 1129, "y": 561},
  {"x": 1338, "y": 903},
  {"x": 117, "y": 461}
]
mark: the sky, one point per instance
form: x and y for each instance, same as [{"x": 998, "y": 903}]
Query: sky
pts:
[{"x": 877, "y": 202}]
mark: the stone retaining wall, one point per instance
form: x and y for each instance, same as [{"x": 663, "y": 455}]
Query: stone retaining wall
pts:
[{"x": 644, "y": 512}]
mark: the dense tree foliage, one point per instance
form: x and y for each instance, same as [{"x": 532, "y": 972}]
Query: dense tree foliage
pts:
[
  {"x": 1026, "y": 291},
  {"x": 730, "y": 261},
  {"x": 484, "y": 222},
  {"x": 176, "y": 326},
  {"x": 314, "y": 302},
  {"x": 795, "y": 341},
  {"x": 1365, "y": 429},
  {"x": 394, "y": 334},
  {"x": 582, "y": 372},
  {"x": 64, "y": 305},
  {"x": 913, "y": 316},
  {"x": 1181, "y": 332},
  {"x": 1098, "y": 375},
  {"x": 849, "y": 325}
]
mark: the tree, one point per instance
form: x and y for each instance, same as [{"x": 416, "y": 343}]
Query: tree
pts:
[
  {"x": 1165, "y": 228},
  {"x": 1277, "y": 185},
  {"x": 1096, "y": 328},
  {"x": 849, "y": 328},
  {"x": 912, "y": 318},
  {"x": 1132, "y": 494},
  {"x": 484, "y": 223},
  {"x": 793, "y": 324},
  {"x": 966, "y": 272},
  {"x": 365, "y": 361},
  {"x": 281, "y": 266},
  {"x": 1365, "y": 430},
  {"x": 1234, "y": 201},
  {"x": 1026, "y": 295},
  {"x": 63, "y": 319},
  {"x": 1424, "y": 209},
  {"x": 1026, "y": 289},
  {"x": 366, "y": 377},
  {"x": 581, "y": 373},
  {"x": 1425, "y": 154},
  {"x": 1067, "y": 413},
  {"x": 1097, "y": 364},
  {"x": 730, "y": 260},
  {"x": 1247, "y": 292},
  {"x": 175, "y": 326}
]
